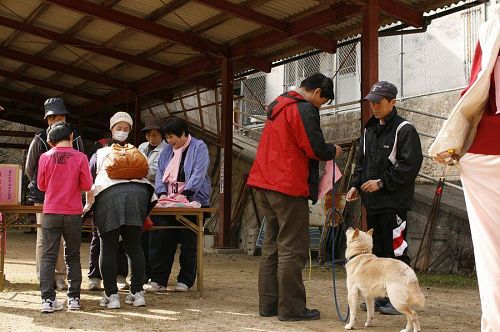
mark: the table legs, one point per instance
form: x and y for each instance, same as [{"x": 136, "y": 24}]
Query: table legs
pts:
[
  {"x": 199, "y": 258},
  {"x": 3, "y": 233}
]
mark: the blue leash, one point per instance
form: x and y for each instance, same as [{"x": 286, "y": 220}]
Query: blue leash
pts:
[{"x": 339, "y": 314}]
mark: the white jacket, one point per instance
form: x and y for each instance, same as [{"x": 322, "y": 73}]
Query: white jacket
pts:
[
  {"x": 152, "y": 159},
  {"x": 459, "y": 130}
]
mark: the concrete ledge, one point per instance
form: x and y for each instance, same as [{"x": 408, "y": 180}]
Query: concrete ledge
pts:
[
  {"x": 227, "y": 251},
  {"x": 452, "y": 200}
]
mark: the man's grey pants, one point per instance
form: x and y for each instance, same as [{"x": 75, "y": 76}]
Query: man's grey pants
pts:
[
  {"x": 284, "y": 253},
  {"x": 70, "y": 227}
]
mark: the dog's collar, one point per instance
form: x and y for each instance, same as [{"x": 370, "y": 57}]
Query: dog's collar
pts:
[{"x": 352, "y": 257}]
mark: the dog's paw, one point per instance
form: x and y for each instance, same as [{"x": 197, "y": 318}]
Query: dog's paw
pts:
[
  {"x": 405, "y": 330},
  {"x": 349, "y": 327},
  {"x": 368, "y": 323}
]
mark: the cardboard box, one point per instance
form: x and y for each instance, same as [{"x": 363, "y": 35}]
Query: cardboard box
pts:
[{"x": 10, "y": 184}]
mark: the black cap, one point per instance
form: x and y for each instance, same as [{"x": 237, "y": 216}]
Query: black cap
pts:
[
  {"x": 153, "y": 123},
  {"x": 54, "y": 106},
  {"x": 382, "y": 89}
]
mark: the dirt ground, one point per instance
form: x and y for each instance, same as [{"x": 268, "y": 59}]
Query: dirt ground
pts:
[{"x": 230, "y": 302}]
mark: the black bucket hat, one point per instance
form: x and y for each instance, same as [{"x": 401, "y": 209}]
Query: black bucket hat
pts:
[{"x": 54, "y": 106}]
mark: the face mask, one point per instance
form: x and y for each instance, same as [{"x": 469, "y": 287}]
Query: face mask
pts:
[{"x": 120, "y": 136}]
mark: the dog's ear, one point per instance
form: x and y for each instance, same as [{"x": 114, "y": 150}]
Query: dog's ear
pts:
[
  {"x": 370, "y": 232},
  {"x": 355, "y": 234}
]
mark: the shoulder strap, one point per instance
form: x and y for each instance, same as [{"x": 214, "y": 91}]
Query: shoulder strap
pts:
[
  {"x": 43, "y": 138},
  {"x": 392, "y": 156}
]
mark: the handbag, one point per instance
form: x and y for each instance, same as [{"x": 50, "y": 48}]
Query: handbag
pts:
[{"x": 126, "y": 162}]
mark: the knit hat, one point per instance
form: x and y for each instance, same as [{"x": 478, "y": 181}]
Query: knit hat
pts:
[{"x": 120, "y": 117}]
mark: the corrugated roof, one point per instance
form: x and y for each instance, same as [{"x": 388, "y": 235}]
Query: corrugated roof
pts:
[
  {"x": 188, "y": 16},
  {"x": 229, "y": 30},
  {"x": 282, "y": 9},
  {"x": 180, "y": 45}
]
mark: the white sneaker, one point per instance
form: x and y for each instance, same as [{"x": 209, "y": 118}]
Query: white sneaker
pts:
[
  {"x": 121, "y": 283},
  {"x": 94, "y": 284},
  {"x": 154, "y": 287},
  {"x": 137, "y": 299},
  {"x": 110, "y": 302},
  {"x": 61, "y": 284},
  {"x": 74, "y": 303},
  {"x": 180, "y": 287},
  {"x": 49, "y": 306}
]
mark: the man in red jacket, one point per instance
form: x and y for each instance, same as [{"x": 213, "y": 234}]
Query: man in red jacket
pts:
[{"x": 285, "y": 175}]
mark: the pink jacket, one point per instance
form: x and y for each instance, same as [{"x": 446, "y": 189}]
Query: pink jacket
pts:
[{"x": 63, "y": 173}]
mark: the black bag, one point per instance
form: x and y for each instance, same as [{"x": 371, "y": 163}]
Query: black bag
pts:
[{"x": 34, "y": 194}]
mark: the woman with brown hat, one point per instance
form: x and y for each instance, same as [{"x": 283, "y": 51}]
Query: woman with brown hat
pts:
[{"x": 151, "y": 149}]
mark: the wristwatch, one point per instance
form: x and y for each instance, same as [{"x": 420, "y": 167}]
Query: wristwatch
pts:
[{"x": 380, "y": 184}]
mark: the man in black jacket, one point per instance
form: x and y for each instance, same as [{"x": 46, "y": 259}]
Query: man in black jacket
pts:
[
  {"x": 55, "y": 111},
  {"x": 389, "y": 159}
]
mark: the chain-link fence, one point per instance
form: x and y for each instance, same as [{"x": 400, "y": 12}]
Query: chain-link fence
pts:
[{"x": 436, "y": 60}]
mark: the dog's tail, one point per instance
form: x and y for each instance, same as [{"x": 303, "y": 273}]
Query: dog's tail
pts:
[{"x": 417, "y": 298}]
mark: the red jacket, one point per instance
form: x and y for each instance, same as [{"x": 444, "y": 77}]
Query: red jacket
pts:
[
  {"x": 289, "y": 149},
  {"x": 486, "y": 139}
]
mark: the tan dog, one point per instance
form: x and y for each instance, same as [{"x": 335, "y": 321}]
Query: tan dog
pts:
[{"x": 372, "y": 276}]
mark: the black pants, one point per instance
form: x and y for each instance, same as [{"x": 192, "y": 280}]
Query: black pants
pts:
[
  {"x": 131, "y": 236},
  {"x": 162, "y": 248},
  {"x": 95, "y": 250},
  {"x": 69, "y": 226},
  {"x": 389, "y": 234},
  {"x": 145, "y": 248}
]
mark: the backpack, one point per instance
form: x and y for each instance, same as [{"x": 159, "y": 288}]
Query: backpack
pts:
[{"x": 126, "y": 162}]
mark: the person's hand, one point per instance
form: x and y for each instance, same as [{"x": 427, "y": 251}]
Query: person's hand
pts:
[
  {"x": 352, "y": 194},
  {"x": 445, "y": 157},
  {"x": 338, "y": 151},
  {"x": 370, "y": 186}
]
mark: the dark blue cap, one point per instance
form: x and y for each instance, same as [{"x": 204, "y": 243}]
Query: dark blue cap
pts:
[
  {"x": 382, "y": 89},
  {"x": 54, "y": 106}
]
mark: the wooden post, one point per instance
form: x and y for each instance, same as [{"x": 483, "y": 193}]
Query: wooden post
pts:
[
  {"x": 137, "y": 120},
  {"x": 226, "y": 142},
  {"x": 369, "y": 65},
  {"x": 369, "y": 55}
]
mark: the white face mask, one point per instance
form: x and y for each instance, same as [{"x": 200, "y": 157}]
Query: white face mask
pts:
[{"x": 120, "y": 136}]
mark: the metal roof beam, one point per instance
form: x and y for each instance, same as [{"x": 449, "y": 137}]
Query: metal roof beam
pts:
[
  {"x": 246, "y": 14},
  {"x": 258, "y": 63},
  {"x": 61, "y": 67},
  {"x": 140, "y": 24},
  {"x": 251, "y": 15},
  {"x": 402, "y": 12},
  {"x": 165, "y": 10},
  {"x": 300, "y": 27},
  {"x": 159, "y": 82},
  {"x": 99, "y": 49},
  {"x": 50, "y": 85},
  {"x": 37, "y": 101}
]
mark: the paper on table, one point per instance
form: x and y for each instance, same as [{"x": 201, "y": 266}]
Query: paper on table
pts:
[{"x": 325, "y": 184}]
